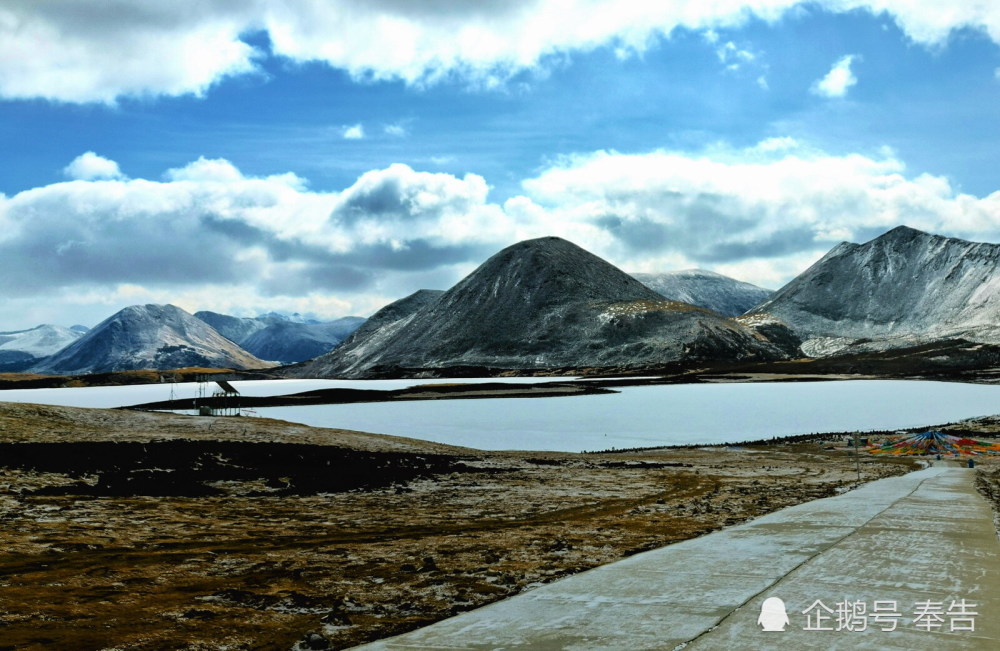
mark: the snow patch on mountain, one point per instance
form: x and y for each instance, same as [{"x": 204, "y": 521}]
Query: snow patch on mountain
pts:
[
  {"x": 39, "y": 341},
  {"x": 708, "y": 289}
]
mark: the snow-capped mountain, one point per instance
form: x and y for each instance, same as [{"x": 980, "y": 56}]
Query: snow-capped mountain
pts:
[
  {"x": 723, "y": 294},
  {"x": 899, "y": 289},
  {"x": 289, "y": 342},
  {"x": 148, "y": 336},
  {"x": 293, "y": 317},
  {"x": 233, "y": 328},
  {"x": 540, "y": 304},
  {"x": 282, "y": 338},
  {"x": 22, "y": 348}
]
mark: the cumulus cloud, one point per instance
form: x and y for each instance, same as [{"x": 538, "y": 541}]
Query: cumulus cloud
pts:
[
  {"x": 836, "y": 82},
  {"x": 354, "y": 132},
  {"x": 208, "y": 232},
  {"x": 267, "y": 240},
  {"x": 203, "y": 169},
  {"x": 89, "y": 166},
  {"x": 765, "y": 205},
  {"x": 99, "y": 51}
]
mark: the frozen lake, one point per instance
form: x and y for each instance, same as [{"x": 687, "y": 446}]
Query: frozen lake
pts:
[
  {"x": 661, "y": 415},
  {"x": 636, "y": 417}
]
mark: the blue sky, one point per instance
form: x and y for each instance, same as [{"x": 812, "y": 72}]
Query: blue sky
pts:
[{"x": 235, "y": 156}]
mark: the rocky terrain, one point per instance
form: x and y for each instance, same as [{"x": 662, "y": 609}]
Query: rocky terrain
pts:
[
  {"x": 901, "y": 289},
  {"x": 542, "y": 304},
  {"x": 149, "y": 531},
  {"x": 725, "y": 295},
  {"x": 148, "y": 337}
]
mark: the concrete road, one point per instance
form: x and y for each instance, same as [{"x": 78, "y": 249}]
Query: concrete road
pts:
[{"x": 908, "y": 562}]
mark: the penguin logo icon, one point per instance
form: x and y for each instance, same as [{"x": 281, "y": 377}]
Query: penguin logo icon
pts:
[{"x": 772, "y": 615}]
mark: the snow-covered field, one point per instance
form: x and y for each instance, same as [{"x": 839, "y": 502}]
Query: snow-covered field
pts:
[{"x": 636, "y": 417}]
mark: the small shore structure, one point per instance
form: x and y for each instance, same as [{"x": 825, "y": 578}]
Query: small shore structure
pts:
[{"x": 225, "y": 400}]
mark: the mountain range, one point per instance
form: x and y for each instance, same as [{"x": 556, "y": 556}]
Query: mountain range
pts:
[
  {"x": 540, "y": 305},
  {"x": 281, "y": 339},
  {"x": 546, "y": 305}
]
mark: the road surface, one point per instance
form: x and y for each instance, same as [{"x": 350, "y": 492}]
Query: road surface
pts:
[{"x": 910, "y": 562}]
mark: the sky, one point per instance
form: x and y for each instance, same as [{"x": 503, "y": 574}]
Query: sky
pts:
[{"x": 326, "y": 158}]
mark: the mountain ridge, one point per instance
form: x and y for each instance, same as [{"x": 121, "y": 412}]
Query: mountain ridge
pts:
[
  {"x": 148, "y": 336},
  {"x": 541, "y": 304},
  {"x": 898, "y": 289}
]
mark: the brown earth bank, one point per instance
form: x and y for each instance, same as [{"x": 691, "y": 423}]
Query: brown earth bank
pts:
[{"x": 131, "y": 530}]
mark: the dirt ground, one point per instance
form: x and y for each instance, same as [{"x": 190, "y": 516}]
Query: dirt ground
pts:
[{"x": 124, "y": 530}]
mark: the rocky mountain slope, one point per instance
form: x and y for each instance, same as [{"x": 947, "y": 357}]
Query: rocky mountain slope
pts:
[
  {"x": 279, "y": 338},
  {"x": 371, "y": 336},
  {"x": 540, "y": 304},
  {"x": 900, "y": 289},
  {"x": 21, "y": 349},
  {"x": 725, "y": 295},
  {"x": 148, "y": 336}
]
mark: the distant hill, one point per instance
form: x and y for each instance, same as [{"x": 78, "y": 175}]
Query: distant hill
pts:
[
  {"x": 280, "y": 338},
  {"x": 20, "y": 349},
  {"x": 148, "y": 336},
  {"x": 540, "y": 304},
  {"x": 233, "y": 328},
  {"x": 897, "y": 290},
  {"x": 289, "y": 342},
  {"x": 723, "y": 294}
]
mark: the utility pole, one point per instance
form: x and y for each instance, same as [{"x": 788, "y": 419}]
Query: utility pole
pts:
[{"x": 857, "y": 457}]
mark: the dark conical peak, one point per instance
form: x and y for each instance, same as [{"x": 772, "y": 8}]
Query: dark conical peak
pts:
[
  {"x": 551, "y": 268},
  {"x": 543, "y": 250}
]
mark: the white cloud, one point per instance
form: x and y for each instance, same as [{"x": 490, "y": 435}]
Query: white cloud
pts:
[
  {"x": 838, "y": 80},
  {"x": 209, "y": 231},
  {"x": 212, "y": 237},
  {"x": 763, "y": 210},
  {"x": 203, "y": 169},
  {"x": 354, "y": 132},
  {"x": 99, "y": 51},
  {"x": 89, "y": 166},
  {"x": 395, "y": 130},
  {"x": 734, "y": 57}
]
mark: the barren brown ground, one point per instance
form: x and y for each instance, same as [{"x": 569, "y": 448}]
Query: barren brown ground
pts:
[{"x": 263, "y": 561}]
